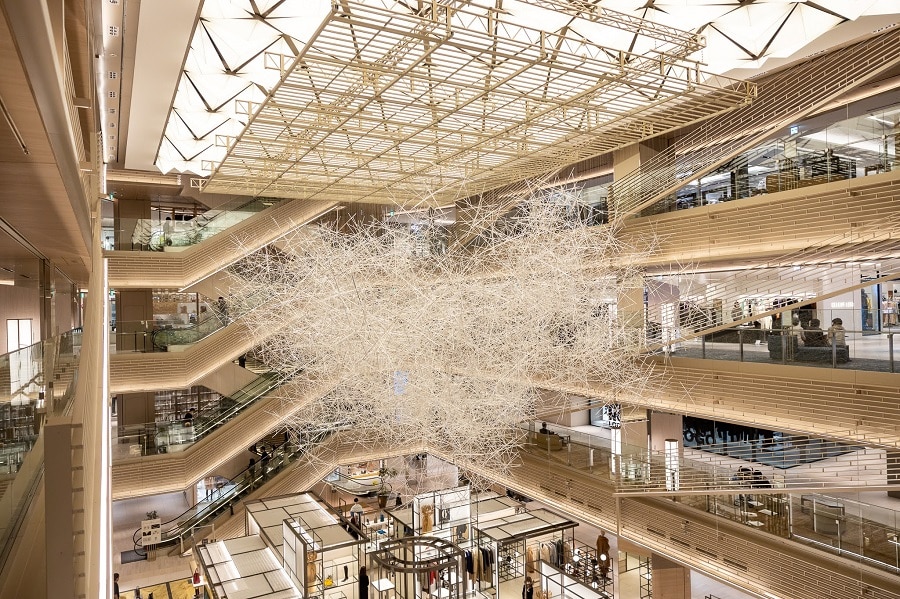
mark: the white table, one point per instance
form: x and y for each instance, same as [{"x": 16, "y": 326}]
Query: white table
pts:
[{"x": 382, "y": 584}]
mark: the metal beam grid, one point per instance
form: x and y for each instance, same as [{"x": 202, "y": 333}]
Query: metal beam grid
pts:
[
  {"x": 676, "y": 41},
  {"x": 382, "y": 105}
]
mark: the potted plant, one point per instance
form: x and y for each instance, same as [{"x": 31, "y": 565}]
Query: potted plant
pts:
[{"x": 384, "y": 488}]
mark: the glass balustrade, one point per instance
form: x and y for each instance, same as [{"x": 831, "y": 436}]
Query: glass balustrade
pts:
[
  {"x": 851, "y": 349},
  {"x": 780, "y": 486},
  {"x": 158, "y": 234},
  {"x": 169, "y": 437},
  {"x": 809, "y": 155},
  {"x": 159, "y": 335},
  {"x": 28, "y": 393}
]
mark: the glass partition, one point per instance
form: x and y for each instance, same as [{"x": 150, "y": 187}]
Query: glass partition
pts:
[
  {"x": 23, "y": 403},
  {"x": 180, "y": 432},
  {"x": 163, "y": 233},
  {"x": 178, "y": 319},
  {"x": 809, "y": 153}
]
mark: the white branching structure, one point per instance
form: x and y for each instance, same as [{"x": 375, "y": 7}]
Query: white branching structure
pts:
[{"x": 448, "y": 348}]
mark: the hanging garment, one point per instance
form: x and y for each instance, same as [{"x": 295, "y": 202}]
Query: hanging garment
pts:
[
  {"x": 470, "y": 566},
  {"x": 529, "y": 560},
  {"x": 545, "y": 553},
  {"x": 567, "y": 552},
  {"x": 427, "y": 518},
  {"x": 552, "y": 548},
  {"x": 560, "y": 553}
]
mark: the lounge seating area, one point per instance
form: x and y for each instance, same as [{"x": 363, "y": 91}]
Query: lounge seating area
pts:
[
  {"x": 543, "y": 440},
  {"x": 804, "y": 353}
]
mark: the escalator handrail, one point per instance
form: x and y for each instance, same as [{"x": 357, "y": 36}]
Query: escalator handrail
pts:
[{"x": 175, "y": 529}]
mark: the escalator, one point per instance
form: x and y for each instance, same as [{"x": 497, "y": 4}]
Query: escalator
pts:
[
  {"x": 178, "y": 270},
  {"x": 227, "y": 493},
  {"x": 166, "y": 437}
]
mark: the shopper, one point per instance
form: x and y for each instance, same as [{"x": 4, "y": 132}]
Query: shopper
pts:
[
  {"x": 544, "y": 430},
  {"x": 116, "y": 585},
  {"x": 264, "y": 459},
  {"x": 837, "y": 334},
  {"x": 251, "y": 473},
  {"x": 797, "y": 330},
  {"x": 603, "y": 554},
  {"x": 363, "y": 583},
  {"x": 528, "y": 588},
  {"x": 356, "y": 512},
  {"x": 167, "y": 231},
  {"x": 222, "y": 309},
  {"x": 814, "y": 336}
]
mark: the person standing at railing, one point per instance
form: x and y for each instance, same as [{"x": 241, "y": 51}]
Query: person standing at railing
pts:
[
  {"x": 251, "y": 473},
  {"x": 167, "y": 231},
  {"x": 264, "y": 459}
]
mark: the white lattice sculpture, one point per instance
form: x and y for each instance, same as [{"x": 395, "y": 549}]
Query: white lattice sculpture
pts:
[{"x": 448, "y": 347}]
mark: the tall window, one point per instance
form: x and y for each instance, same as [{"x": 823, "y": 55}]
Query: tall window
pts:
[{"x": 18, "y": 334}]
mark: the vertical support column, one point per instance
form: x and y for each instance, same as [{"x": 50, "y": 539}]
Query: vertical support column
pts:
[
  {"x": 61, "y": 483},
  {"x": 628, "y": 160},
  {"x": 134, "y": 320},
  {"x": 666, "y": 433},
  {"x": 740, "y": 177},
  {"x": 46, "y": 299},
  {"x": 630, "y": 305},
  {"x": 893, "y": 472},
  {"x": 670, "y": 580}
]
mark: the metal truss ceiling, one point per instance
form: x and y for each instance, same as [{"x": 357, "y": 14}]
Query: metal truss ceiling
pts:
[{"x": 387, "y": 106}]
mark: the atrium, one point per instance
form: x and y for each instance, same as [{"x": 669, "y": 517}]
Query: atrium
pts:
[{"x": 578, "y": 298}]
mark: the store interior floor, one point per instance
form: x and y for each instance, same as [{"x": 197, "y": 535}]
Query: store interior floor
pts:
[{"x": 167, "y": 576}]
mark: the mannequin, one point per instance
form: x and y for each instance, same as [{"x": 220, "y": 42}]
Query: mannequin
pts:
[
  {"x": 603, "y": 559},
  {"x": 427, "y": 518},
  {"x": 888, "y": 310}
]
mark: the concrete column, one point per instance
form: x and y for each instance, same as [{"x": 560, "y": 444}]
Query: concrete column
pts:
[
  {"x": 670, "y": 580},
  {"x": 134, "y": 320},
  {"x": 630, "y": 304},
  {"x": 629, "y": 159},
  {"x": 893, "y": 472},
  {"x": 59, "y": 508},
  {"x": 664, "y": 426}
]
